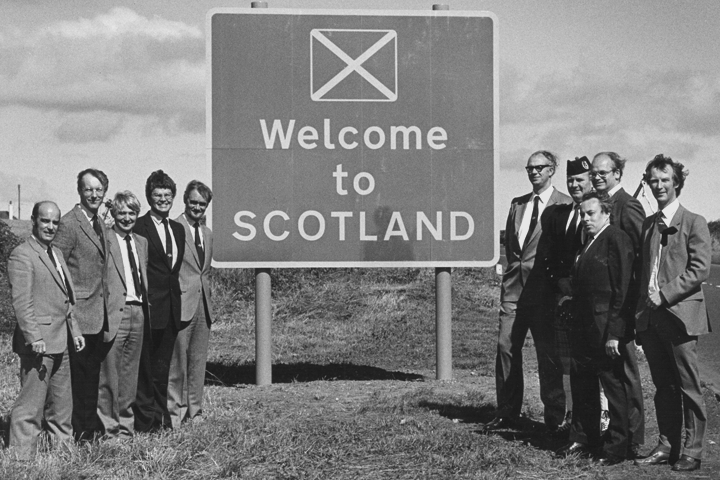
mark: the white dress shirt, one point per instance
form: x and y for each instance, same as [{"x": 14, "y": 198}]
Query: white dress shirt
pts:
[
  {"x": 129, "y": 281},
  {"x": 527, "y": 215},
  {"x": 157, "y": 219}
]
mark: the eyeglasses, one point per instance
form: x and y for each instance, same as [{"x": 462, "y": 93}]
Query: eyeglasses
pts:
[
  {"x": 166, "y": 196},
  {"x": 537, "y": 168},
  {"x": 602, "y": 173},
  {"x": 90, "y": 191},
  {"x": 194, "y": 203}
]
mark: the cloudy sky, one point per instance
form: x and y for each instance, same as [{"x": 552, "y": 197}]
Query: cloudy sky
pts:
[{"x": 121, "y": 86}]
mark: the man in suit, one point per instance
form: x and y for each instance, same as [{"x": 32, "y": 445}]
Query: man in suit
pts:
[
  {"x": 81, "y": 238},
  {"x": 628, "y": 215},
  {"x": 671, "y": 314},
  {"x": 127, "y": 317},
  {"x": 600, "y": 279},
  {"x": 43, "y": 297},
  {"x": 565, "y": 236},
  {"x": 166, "y": 240},
  {"x": 526, "y": 301},
  {"x": 187, "y": 370}
]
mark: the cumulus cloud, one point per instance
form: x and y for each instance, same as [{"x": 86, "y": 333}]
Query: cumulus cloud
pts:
[
  {"x": 636, "y": 112},
  {"x": 118, "y": 63}
]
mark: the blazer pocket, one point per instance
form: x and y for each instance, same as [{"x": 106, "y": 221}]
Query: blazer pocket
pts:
[
  {"x": 82, "y": 294},
  {"x": 44, "y": 320},
  {"x": 601, "y": 307}
]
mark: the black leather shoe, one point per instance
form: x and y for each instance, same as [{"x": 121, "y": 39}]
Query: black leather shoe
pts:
[
  {"x": 499, "y": 423},
  {"x": 607, "y": 461},
  {"x": 573, "y": 448},
  {"x": 656, "y": 457},
  {"x": 686, "y": 464}
]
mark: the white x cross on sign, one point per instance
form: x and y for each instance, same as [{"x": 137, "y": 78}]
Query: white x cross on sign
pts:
[{"x": 355, "y": 65}]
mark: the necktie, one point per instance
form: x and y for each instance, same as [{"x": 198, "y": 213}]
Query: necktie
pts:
[
  {"x": 533, "y": 222},
  {"x": 168, "y": 243},
  {"x": 98, "y": 231},
  {"x": 574, "y": 234},
  {"x": 198, "y": 245},
  {"x": 57, "y": 267},
  {"x": 655, "y": 252},
  {"x": 133, "y": 266}
]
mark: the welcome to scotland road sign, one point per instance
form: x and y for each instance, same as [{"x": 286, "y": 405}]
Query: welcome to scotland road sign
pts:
[{"x": 353, "y": 138}]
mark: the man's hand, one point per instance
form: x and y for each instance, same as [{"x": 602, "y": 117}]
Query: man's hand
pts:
[
  {"x": 654, "y": 300},
  {"x": 565, "y": 287},
  {"x": 38, "y": 347},
  {"x": 611, "y": 348},
  {"x": 79, "y": 343}
]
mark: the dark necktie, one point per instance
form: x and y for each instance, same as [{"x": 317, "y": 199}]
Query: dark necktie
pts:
[
  {"x": 98, "y": 231},
  {"x": 57, "y": 267},
  {"x": 168, "y": 242},
  {"x": 133, "y": 266},
  {"x": 573, "y": 235},
  {"x": 533, "y": 222},
  {"x": 198, "y": 245}
]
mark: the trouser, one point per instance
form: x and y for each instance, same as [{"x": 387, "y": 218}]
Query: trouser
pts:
[
  {"x": 514, "y": 324},
  {"x": 85, "y": 367}
]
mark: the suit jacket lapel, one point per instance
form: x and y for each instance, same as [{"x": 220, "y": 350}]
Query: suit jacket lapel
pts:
[
  {"x": 45, "y": 259},
  {"x": 152, "y": 234},
  {"x": 189, "y": 242},
  {"x": 114, "y": 249},
  {"x": 88, "y": 230},
  {"x": 671, "y": 239}
]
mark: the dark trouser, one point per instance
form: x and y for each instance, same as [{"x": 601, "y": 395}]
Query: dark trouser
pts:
[
  {"x": 85, "y": 368},
  {"x": 150, "y": 409},
  {"x": 636, "y": 406},
  {"x": 44, "y": 395},
  {"x": 509, "y": 381},
  {"x": 672, "y": 357},
  {"x": 587, "y": 368}
]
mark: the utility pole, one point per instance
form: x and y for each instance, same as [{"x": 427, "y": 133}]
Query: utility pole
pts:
[{"x": 18, "y": 202}]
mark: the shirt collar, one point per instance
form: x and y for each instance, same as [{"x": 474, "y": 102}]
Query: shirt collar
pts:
[
  {"x": 669, "y": 211},
  {"x": 156, "y": 218},
  {"x": 601, "y": 231},
  {"x": 88, "y": 214},
  {"x": 614, "y": 190},
  {"x": 544, "y": 196}
]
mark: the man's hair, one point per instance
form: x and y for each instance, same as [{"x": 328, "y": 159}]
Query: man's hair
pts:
[
  {"x": 661, "y": 162},
  {"x": 99, "y": 174},
  {"x": 551, "y": 157},
  {"x": 617, "y": 160},
  {"x": 125, "y": 198},
  {"x": 602, "y": 198},
  {"x": 36, "y": 207},
  {"x": 202, "y": 189},
  {"x": 159, "y": 179}
]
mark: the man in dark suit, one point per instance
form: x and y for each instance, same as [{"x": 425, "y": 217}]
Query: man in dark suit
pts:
[
  {"x": 81, "y": 238},
  {"x": 565, "y": 236},
  {"x": 628, "y": 215},
  {"x": 127, "y": 317},
  {"x": 600, "y": 278},
  {"x": 671, "y": 314},
  {"x": 187, "y": 370},
  {"x": 526, "y": 301},
  {"x": 43, "y": 296},
  {"x": 166, "y": 240}
]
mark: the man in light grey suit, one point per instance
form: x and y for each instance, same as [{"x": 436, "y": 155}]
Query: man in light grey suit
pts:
[
  {"x": 81, "y": 238},
  {"x": 43, "y": 297},
  {"x": 671, "y": 314},
  {"x": 527, "y": 300},
  {"x": 187, "y": 369},
  {"x": 128, "y": 317}
]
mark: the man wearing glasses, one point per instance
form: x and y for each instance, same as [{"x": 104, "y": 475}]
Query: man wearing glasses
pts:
[
  {"x": 526, "y": 301},
  {"x": 628, "y": 215},
  {"x": 81, "y": 239},
  {"x": 166, "y": 241}
]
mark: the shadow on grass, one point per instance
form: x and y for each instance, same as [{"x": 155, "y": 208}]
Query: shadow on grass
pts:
[
  {"x": 227, "y": 375},
  {"x": 525, "y": 429}
]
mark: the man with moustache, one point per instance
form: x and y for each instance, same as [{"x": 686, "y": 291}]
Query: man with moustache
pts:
[
  {"x": 628, "y": 215},
  {"x": 566, "y": 237},
  {"x": 42, "y": 296},
  {"x": 81, "y": 238},
  {"x": 671, "y": 314},
  {"x": 526, "y": 301},
  {"x": 127, "y": 317},
  {"x": 187, "y": 370},
  {"x": 166, "y": 240},
  {"x": 600, "y": 278}
]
